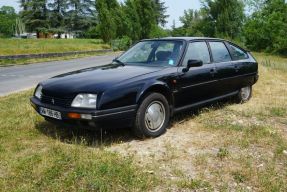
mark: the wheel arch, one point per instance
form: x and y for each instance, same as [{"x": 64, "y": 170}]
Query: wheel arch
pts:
[{"x": 157, "y": 88}]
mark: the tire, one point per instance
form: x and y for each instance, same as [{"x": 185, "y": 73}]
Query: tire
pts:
[
  {"x": 244, "y": 94},
  {"x": 152, "y": 116}
]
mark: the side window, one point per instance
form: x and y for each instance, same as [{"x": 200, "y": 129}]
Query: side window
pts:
[
  {"x": 237, "y": 53},
  {"x": 219, "y": 52},
  {"x": 197, "y": 51}
]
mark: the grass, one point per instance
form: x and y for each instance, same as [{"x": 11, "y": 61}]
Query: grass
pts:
[
  {"x": 250, "y": 137},
  {"x": 11, "y": 62},
  {"x": 33, "y": 161},
  {"x": 272, "y": 61},
  {"x": 34, "y": 46},
  {"x": 224, "y": 147}
]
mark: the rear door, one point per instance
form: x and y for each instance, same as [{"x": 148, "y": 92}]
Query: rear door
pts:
[
  {"x": 244, "y": 67},
  {"x": 225, "y": 68},
  {"x": 198, "y": 83}
]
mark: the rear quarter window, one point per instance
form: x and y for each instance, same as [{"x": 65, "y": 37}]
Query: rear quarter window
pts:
[{"x": 237, "y": 53}]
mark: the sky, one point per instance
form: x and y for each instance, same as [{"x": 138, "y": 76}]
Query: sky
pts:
[{"x": 175, "y": 8}]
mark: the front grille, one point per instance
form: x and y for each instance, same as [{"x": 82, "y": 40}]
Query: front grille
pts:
[{"x": 61, "y": 102}]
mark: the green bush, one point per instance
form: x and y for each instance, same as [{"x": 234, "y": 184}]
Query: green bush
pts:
[
  {"x": 265, "y": 30},
  {"x": 158, "y": 32},
  {"x": 121, "y": 44}
]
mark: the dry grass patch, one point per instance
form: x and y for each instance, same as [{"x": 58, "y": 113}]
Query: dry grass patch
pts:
[{"x": 227, "y": 146}]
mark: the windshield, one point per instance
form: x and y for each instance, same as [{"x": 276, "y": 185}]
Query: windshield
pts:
[{"x": 158, "y": 53}]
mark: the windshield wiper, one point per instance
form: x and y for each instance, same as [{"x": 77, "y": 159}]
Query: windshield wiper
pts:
[{"x": 119, "y": 62}]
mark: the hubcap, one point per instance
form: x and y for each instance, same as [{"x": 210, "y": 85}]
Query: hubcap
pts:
[
  {"x": 245, "y": 93},
  {"x": 155, "y": 116}
]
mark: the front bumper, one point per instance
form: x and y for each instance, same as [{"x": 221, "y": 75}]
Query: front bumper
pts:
[{"x": 98, "y": 116}]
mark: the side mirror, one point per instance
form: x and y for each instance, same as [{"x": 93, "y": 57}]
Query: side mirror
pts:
[{"x": 192, "y": 63}]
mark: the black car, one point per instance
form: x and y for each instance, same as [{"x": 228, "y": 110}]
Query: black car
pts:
[{"x": 148, "y": 84}]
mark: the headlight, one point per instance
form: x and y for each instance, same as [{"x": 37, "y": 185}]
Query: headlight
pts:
[
  {"x": 38, "y": 92},
  {"x": 85, "y": 101}
]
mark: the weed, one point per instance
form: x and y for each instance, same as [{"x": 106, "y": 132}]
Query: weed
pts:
[
  {"x": 222, "y": 153},
  {"x": 193, "y": 184}
]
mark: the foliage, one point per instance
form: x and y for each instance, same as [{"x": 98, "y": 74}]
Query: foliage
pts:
[
  {"x": 193, "y": 23},
  {"x": 218, "y": 18},
  {"x": 36, "y": 15},
  {"x": 19, "y": 27},
  {"x": 107, "y": 18},
  {"x": 263, "y": 30},
  {"x": 266, "y": 28},
  {"x": 92, "y": 33},
  {"x": 82, "y": 15},
  {"x": 147, "y": 17},
  {"x": 160, "y": 13},
  {"x": 58, "y": 15},
  {"x": 133, "y": 26},
  {"x": 121, "y": 44},
  {"x": 138, "y": 19},
  {"x": 158, "y": 32},
  {"x": 7, "y": 20},
  {"x": 226, "y": 17}
]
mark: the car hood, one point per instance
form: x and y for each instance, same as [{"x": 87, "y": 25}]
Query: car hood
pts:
[{"x": 93, "y": 80}]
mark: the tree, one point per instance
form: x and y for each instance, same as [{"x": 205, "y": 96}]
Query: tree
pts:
[
  {"x": 58, "y": 13},
  {"x": 7, "y": 20},
  {"x": 132, "y": 20},
  {"x": 266, "y": 28},
  {"x": 227, "y": 16},
  {"x": 35, "y": 15},
  {"x": 24, "y": 4},
  {"x": 223, "y": 18},
  {"x": 160, "y": 11},
  {"x": 254, "y": 5},
  {"x": 107, "y": 24},
  {"x": 80, "y": 15},
  {"x": 147, "y": 16},
  {"x": 188, "y": 18}
]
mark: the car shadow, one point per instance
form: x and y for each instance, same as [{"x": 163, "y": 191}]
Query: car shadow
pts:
[
  {"x": 190, "y": 114},
  {"x": 106, "y": 137},
  {"x": 92, "y": 138}
]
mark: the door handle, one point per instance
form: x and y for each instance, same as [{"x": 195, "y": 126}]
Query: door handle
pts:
[
  {"x": 236, "y": 68},
  {"x": 212, "y": 72}
]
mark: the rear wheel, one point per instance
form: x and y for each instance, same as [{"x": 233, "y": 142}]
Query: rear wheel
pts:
[
  {"x": 244, "y": 94},
  {"x": 152, "y": 117}
]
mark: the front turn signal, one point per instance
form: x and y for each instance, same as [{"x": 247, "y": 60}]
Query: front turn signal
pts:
[{"x": 74, "y": 115}]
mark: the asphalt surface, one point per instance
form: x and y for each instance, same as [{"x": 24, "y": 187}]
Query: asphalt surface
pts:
[{"x": 23, "y": 77}]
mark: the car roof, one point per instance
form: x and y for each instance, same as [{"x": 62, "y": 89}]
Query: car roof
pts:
[{"x": 187, "y": 38}]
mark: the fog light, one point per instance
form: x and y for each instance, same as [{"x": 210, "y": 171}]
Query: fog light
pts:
[
  {"x": 86, "y": 116},
  {"x": 74, "y": 115}
]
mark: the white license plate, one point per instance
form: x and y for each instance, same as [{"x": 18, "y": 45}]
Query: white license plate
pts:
[{"x": 50, "y": 113}]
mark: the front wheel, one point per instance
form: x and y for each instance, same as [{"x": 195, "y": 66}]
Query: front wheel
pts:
[
  {"x": 244, "y": 94},
  {"x": 152, "y": 117}
]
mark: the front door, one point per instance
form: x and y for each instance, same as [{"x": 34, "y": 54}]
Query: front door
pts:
[{"x": 197, "y": 84}]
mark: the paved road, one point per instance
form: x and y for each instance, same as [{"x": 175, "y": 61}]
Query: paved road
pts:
[{"x": 17, "y": 78}]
